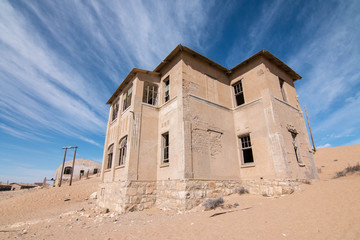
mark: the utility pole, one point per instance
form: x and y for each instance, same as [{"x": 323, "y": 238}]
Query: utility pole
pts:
[
  {"x": 312, "y": 139},
  {"x": 73, "y": 164},
  {"x": 62, "y": 166}
]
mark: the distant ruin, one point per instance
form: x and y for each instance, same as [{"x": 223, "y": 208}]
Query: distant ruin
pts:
[
  {"x": 192, "y": 129},
  {"x": 82, "y": 168}
]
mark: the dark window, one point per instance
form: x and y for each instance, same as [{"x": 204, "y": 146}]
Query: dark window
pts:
[
  {"x": 150, "y": 93},
  {"x": 246, "y": 149},
  {"x": 167, "y": 89},
  {"x": 165, "y": 147},
  {"x": 239, "y": 94},
  {"x": 82, "y": 173},
  {"x": 115, "y": 111},
  {"x": 67, "y": 170},
  {"x": 296, "y": 149},
  {"x": 96, "y": 170},
  {"x": 122, "y": 148},
  {"x": 283, "y": 90},
  {"x": 127, "y": 98},
  {"x": 109, "y": 157}
]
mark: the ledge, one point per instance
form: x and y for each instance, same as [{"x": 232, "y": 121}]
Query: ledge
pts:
[
  {"x": 287, "y": 104},
  {"x": 249, "y": 165}
]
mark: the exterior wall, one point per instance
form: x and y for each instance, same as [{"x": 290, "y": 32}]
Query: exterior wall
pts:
[{"x": 204, "y": 126}]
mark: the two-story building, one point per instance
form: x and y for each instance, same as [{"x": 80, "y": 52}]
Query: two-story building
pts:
[{"x": 192, "y": 129}]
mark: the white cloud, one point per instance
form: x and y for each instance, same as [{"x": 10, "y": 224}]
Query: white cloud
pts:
[
  {"x": 42, "y": 90},
  {"x": 324, "y": 146}
]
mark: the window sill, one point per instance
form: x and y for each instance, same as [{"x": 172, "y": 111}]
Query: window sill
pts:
[
  {"x": 124, "y": 111},
  {"x": 164, "y": 165},
  {"x": 247, "y": 165},
  {"x": 113, "y": 121},
  {"x": 107, "y": 170},
  {"x": 120, "y": 166}
]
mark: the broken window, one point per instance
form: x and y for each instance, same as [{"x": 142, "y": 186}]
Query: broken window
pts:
[
  {"x": 239, "y": 94},
  {"x": 67, "y": 170},
  {"x": 95, "y": 171},
  {"x": 122, "y": 152},
  {"x": 150, "y": 93},
  {"x": 296, "y": 148},
  {"x": 167, "y": 89},
  {"x": 246, "y": 149},
  {"x": 283, "y": 90},
  {"x": 115, "y": 111},
  {"x": 127, "y": 98},
  {"x": 165, "y": 147},
  {"x": 109, "y": 156}
]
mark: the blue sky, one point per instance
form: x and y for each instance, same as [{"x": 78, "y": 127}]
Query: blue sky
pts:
[{"x": 62, "y": 60}]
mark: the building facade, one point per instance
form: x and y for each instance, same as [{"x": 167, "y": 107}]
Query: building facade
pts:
[{"x": 192, "y": 129}]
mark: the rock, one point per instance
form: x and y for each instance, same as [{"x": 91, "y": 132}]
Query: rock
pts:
[
  {"x": 93, "y": 195},
  {"x": 67, "y": 199}
]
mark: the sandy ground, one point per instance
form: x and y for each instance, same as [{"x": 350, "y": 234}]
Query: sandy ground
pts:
[{"x": 325, "y": 209}]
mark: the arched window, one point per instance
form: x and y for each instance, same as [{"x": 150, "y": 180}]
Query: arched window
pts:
[
  {"x": 122, "y": 150},
  {"x": 67, "y": 170},
  {"x": 110, "y": 156}
]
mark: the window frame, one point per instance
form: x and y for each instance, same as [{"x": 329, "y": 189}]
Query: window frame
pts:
[
  {"x": 109, "y": 156},
  {"x": 240, "y": 92},
  {"x": 165, "y": 147},
  {"x": 166, "y": 89},
  {"x": 122, "y": 151},
  {"x": 245, "y": 146},
  {"x": 115, "y": 110},
  {"x": 150, "y": 93},
  {"x": 282, "y": 89},
  {"x": 127, "y": 98}
]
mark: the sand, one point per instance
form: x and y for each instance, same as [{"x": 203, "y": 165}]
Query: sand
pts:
[{"x": 325, "y": 209}]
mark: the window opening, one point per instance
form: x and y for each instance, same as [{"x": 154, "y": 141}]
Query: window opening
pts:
[
  {"x": 109, "y": 156},
  {"x": 150, "y": 93},
  {"x": 127, "y": 98},
  {"x": 67, "y": 170},
  {"x": 246, "y": 148},
  {"x": 115, "y": 111},
  {"x": 283, "y": 90},
  {"x": 239, "y": 94},
  {"x": 165, "y": 147},
  {"x": 167, "y": 89},
  {"x": 122, "y": 148},
  {"x": 95, "y": 171}
]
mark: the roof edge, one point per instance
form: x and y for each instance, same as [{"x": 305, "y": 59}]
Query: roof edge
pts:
[{"x": 268, "y": 55}]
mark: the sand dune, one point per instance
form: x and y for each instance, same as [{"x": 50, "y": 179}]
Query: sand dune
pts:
[{"x": 325, "y": 209}]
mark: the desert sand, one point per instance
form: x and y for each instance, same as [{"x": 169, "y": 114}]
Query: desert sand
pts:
[{"x": 325, "y": 209}]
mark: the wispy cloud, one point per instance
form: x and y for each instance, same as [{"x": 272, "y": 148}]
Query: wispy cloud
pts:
[{"x": 58, "y": 56}]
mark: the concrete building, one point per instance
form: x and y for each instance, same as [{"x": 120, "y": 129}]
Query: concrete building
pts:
[
  {"x": 192, "y": 129},
  {"x": 81, "y": 168}
]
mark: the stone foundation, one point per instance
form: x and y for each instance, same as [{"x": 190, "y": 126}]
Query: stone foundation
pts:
[{"x": 125, "y": 196}]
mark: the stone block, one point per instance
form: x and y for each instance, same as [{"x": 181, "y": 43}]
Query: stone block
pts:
[
  {"x": 132, "y": 191},
  {"x": 149, "y": 189}
]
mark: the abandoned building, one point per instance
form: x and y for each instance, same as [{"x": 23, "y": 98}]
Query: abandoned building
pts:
[
  {"x": 82, "y": 168},
  {"x": 192, "y": 129}
]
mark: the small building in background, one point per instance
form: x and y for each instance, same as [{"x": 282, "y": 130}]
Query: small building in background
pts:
[
  {"x": 5, "y": 187},
  {"x": 18, "y": 186},
  {"x": 82, "y": 168}
]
